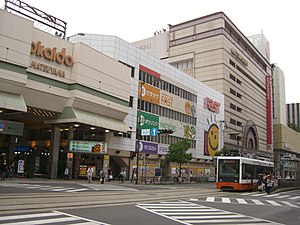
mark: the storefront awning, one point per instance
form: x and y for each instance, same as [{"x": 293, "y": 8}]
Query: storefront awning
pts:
[
  {"x": 12, "y": 102},
  {"x": 72, "y": 115}
]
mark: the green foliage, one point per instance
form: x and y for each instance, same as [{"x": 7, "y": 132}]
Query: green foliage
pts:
[
  {"x": 224, "y": 151},
  {"x": 178, "y": 153}
]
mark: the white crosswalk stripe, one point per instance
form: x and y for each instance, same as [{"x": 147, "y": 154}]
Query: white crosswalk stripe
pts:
[
  {"x": 190, "y": 213},
  {"x": 53, "y": 217},
  {"x": 248, "y": 201},
  {"x": 265, "y": 195},
  {"x": 45, "y": 187}
]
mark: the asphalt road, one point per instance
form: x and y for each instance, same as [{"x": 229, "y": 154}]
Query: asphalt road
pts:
[{"x": 77, "y": 202}]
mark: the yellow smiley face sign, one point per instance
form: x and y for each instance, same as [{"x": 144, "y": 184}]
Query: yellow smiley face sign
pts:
[{"x": 213, "y": 139}]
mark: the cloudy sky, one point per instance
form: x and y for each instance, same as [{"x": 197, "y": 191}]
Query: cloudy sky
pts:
[{"x": 134, "y": 20}]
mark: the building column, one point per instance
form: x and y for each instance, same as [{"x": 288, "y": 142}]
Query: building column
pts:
[
  {"x": 70, "y": 160},
  {"x": 54, "y": 152},
  {"x": 11, "y": 148}
]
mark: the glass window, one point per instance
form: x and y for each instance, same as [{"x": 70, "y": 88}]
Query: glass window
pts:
[{"x": 228, "y": 170}]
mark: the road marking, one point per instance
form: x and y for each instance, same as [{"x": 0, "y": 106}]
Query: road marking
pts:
[
  {"x": 188, "y": 214},
  {"x": 283, "y": 196},
  {"x": 241, "y": 201},
  {"x": 257, "y": 202},
  {"x": 273, "y": 203},
  {"x": 269, "y": 196},
  {"x": 290, "y": 204},
  {"x": 294, "y": 198},
  {"x": 77, "y": 190},
  {"x": 210, "y": 199},
  {"x": 226, "y": 200}
]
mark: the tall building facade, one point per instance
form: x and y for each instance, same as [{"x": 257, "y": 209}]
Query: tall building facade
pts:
[
  {"x": 293, "y": 115},
  {"x": 213, "y": 50},
  {"x": 64, "y": 103}
]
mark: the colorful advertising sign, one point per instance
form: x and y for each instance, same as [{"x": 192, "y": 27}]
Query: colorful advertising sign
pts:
[
  {"x": 180, "y": 129},
  {"x": 149, "y": 93},
  {"x": 162, "y": 149},
  {"x": 212, "y": 105},
  {"x": 147, "y": 147},
  {"x": 88, "y": 146},
  {"x": 212, "y": 139},
  {"x": 190, "y": 108},
  {"x": 148, "y": 121}
]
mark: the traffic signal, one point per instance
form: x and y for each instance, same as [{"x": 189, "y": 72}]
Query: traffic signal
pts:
[{"x": 165, "y": 131}]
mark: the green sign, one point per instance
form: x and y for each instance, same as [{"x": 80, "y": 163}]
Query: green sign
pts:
[{"x": 148, "y": 121}]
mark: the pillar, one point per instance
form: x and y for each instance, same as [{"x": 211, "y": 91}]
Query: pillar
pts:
[
  {"x": 70, "y": 160},
  {"x": 54, "y": 152}
]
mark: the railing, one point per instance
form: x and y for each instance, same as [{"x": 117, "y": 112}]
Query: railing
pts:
[{"x": 288, "y": 183}]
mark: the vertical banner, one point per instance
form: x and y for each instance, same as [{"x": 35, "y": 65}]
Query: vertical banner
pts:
[{"x": 269, "y": 110}]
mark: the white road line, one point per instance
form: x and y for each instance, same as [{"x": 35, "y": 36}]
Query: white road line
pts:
[
  {"x": 247, "y": 193},
  {"x": 194, "y": 199},
  {"x": 226, "y": 200},
  {"x": 208, "y": 217},
  {"x": 241, "y": 201},
  {"x": 28, "y": 216},
  {"x": 246, "y": 220},
  {"x": 43, "y": 221},
  {"x": 269, "y": 196},
  {"x": 257, "y": 202},
  {"x": 75, "y": 190},
  {"x": 210, "y": 199},
  {"x": 261, "y": 194},
  {"x": 283, "y": 196},
  {"x": 273, "y": 203},
  {"x": 294, "y": 198},
  {"x": 290, "y": 204}
]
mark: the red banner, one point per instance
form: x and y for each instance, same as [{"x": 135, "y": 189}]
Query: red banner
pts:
[{"x": 269, "y": 110}]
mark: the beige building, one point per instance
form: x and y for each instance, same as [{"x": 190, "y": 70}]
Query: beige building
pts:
[{"x": 213, "y": 50}]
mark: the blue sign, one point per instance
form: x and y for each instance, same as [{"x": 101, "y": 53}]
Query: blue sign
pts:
[{"x": 154, "y": 131}]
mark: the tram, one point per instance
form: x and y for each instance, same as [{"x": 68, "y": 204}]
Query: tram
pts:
[{"x": 240, "y": 173}]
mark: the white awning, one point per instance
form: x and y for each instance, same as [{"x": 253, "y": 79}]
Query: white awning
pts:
[
  {"x": 12, "y": 102},
  {"x": 72, "y": 115}
]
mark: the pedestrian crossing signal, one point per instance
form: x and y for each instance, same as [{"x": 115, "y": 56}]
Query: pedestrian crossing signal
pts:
[{"x": 165, "y": 131}]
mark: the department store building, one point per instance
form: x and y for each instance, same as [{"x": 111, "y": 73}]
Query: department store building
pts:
[
  {"x": 213, "y": 50},
  {"x": 64, "y": 103}
]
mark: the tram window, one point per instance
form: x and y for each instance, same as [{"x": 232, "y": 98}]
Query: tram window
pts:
[{"x": 247, "y": 171}]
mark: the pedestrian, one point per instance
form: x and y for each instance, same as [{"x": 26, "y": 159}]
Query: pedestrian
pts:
[
  {"x": 3, "y": 169},
  {"x": 122, "y": 176},
  {"x": 110, "y": 176},
  {"x": 89, "y": 174},
  {"x": 66, "y": 173},
  {"x": 133, "y": 175},
  {"x": 102, "y": 176},
  {"x": 268, "y": 184}
]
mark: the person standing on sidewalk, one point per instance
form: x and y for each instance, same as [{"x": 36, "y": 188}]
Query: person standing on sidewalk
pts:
[
  {"x": 66, "y": 173},
  {"x": 89, "y": 174}
]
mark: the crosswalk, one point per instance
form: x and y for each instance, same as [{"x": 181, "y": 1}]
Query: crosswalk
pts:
[
  {"x": 53, "y": 217},
  {"x": 189, "y": 213},
  {"x": 45, "y": 187},
  {"x": 276, "y": 195},
  {"x": 264, "y": 202}
]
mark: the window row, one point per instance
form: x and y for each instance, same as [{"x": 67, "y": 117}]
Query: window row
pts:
[
  {"x": 245, "y": 46},
  {"x": 232, "y": 77},
  {"x": 235, "y": 122},
  {"x": 236, "y": 108},
  {"x": 183, "y": 65},
  {"x": 166, "y": 86},
  {"x": 166, "y": 139},
  {"x": 235, "y": 93},
  {"x": 165, "y": 112}
]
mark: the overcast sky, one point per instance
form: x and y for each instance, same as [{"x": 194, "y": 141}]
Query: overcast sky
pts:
[{"x": 134, "y": 20}]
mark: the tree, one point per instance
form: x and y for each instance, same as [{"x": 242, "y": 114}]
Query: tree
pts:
[
  {"x": 224, "y": 151},
  {"x": 178, "y": 153}
]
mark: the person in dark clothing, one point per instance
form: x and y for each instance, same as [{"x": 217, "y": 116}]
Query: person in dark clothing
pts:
[{"x": 3, "y": 169}]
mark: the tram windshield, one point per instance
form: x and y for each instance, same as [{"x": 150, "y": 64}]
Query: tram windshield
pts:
[{"x": 228, "y": 170}]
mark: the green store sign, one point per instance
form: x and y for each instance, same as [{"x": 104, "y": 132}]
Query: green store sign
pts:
[{"x": 148, "y": 121}]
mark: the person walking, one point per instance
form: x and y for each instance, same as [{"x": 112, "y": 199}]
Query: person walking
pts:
[
  {"x": 89, "y": 174},
  {"x": 66, "y": 173},
  {"x": 3, "y": 169},
  {"x": 102, "y": 176},
  {"x": 268, "y": 183}
]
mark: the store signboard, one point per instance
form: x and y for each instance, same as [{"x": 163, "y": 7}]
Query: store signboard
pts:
[
  {"x": 11, "y": 127},
  {"x": 88, "y": 146},
  {"x": 147, "y": 147},
  {"x": 148, "y": 121},
  {"x": 163, "y": 149}
]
